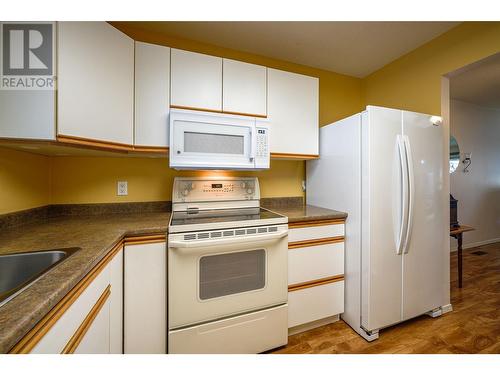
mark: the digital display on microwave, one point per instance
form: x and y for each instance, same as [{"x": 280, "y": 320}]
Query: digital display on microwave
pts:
[{"x": 216, "y": 186}]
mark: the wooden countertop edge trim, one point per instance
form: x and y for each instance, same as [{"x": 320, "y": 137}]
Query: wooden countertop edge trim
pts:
[
  {"x": 314, "y": 223},
  {"x": 317, "y": 282},
  {"x": 137, "y": 240},
  {"x": 35, "y": 334},
  {"x": 78, "y": 336},
  {"x": 315, "y": 242}
]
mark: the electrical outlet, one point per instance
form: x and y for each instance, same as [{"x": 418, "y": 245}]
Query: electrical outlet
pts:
[{"x": 122, "y": 188}]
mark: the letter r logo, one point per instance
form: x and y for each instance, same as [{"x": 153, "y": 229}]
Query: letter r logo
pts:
[{"x": 27, "y": 49}]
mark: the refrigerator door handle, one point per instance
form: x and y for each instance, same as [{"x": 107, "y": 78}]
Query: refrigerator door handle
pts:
[
  {"x": 403, "y": 196},
  {"x": 411, "y": 192}
]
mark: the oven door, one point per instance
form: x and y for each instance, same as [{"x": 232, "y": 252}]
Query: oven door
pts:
[
  {"x": 215, "y": 278},
  {"x": 208, "y": 141}
]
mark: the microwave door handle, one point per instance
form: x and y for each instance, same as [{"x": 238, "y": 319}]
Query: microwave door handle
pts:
[
  {"x": 226, "y": 241},
  {"x": 253, "y": 144}
]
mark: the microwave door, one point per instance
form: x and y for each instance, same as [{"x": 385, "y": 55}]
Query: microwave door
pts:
[{"x": 200, "y": 145}]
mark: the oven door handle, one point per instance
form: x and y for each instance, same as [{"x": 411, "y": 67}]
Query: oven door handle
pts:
[{"x": 227, "y": 241}]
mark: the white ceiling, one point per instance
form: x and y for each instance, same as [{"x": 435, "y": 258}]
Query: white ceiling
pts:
[
  {"x": 478, "y": 83},
  {"x": 352, "y": 48}
]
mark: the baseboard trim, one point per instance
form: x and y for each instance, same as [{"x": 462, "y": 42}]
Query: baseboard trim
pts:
[
  {"x": 312, "y": 325},
  {"x": 475, "y": 244}
]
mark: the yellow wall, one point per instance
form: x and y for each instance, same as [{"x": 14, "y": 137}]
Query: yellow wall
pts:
[
  {"x": 413, "y": 82},
  {"x": 93, "y": 179},
  {"x": 24, "y": 180}
]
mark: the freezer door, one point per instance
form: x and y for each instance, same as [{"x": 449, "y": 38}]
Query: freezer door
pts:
[
  {"x": 426, "y": 256},
  {"x": 382, "y": 218}
]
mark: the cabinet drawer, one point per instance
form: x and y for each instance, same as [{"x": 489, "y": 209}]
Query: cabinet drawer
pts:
[
  {"x": 315, "y": 262},
  {"x": 310, "y": 304},
  {"x": 248, "y": 333},
  {"x": 315, "y": 232}
]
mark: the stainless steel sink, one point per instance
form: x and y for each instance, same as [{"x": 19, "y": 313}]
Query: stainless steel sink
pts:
[{"x": 18, "y": 271}]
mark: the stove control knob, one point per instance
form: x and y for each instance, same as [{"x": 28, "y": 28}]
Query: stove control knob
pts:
[
  {"x": 185, "y": 192},
  {"x": 249, "y": 191},
  {"x": 243, "y": 185}
]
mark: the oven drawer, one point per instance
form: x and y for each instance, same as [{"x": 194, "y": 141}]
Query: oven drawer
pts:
[
  {"x": 315, "y": 232},
  {"x": 250, "y": 333},
  {"x": 315, "y": 262},
  {"x": 314, "y": 303}
]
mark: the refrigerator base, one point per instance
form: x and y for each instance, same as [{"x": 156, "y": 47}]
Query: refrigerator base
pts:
[
  {"x": 367, "y": 335},
  {"x": 440, "y": 311}
]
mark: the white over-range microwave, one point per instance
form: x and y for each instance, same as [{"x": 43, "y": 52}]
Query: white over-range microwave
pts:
[{"x": 205, "y": 140}]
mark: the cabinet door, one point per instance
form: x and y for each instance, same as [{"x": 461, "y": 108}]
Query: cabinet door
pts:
[
  {"x": 66, "y": 333},
  {"x": 97, "y": 340},
  {"x": 95, "y": 82},
  {"x": 244, "y": 88},
  {"x": 145, "y": 326},
  {"x": 152, "y": 94},
  {"x": 196, "y": 81},
  {"x": 293, "y": 110},
  {"x": 27, "y": 114}
]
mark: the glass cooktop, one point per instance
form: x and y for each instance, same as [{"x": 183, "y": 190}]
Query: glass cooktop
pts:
[{"x": 222, "y": 216}]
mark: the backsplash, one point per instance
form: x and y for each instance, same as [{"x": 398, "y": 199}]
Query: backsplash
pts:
[{"x": 29, "y": 180}]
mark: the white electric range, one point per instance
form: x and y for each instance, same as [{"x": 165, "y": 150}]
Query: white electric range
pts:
[{"x": 227, "y": 268}]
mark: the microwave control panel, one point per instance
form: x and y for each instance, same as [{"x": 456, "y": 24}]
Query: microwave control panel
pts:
[{"x": 262, "y": 147}]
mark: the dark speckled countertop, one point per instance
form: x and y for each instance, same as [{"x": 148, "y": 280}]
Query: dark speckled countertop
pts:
[
  {"x": 308, "y": 213},
  {"x": 95, "y": 234}
]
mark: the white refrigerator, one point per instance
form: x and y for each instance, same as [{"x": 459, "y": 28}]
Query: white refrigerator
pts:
[{"x": 387, "y": 169}]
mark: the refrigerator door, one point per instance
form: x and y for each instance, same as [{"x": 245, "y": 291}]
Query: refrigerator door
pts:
[
  {"x": 425, "y": 255},
  {"x": 382, "y": 218}
]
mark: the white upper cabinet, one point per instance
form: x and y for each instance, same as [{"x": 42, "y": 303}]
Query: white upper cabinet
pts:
[
  {"x": 244, "y": 88},
  {"x": 27, "y": 114},
  {"x": 152, "y": 94},
  {"x": 293, "y": 113},
  {"x": 95, "y": 82},
  {"x": 196, "y": 80}
]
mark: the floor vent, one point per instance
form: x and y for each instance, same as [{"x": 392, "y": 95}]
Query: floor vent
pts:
[{"x": 479, "y": 252}]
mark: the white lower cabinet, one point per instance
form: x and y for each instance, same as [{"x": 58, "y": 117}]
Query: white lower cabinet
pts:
[
  {"x": 145, "y": 285},
  {"x": 97, "y": 339},
  {"x": 87, "y": 325},
  {"x": 315, "y": 303},
  {"x": 315, "y": 275}
]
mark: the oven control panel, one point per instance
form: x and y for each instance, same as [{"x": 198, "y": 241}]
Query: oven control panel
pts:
[{"x": 217, "y": 189}]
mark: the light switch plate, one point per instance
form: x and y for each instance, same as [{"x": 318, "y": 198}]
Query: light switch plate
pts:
[{"x": 122, "y": 188}]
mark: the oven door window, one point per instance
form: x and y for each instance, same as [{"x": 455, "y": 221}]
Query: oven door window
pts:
[{"x": 226, "y": 274}]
